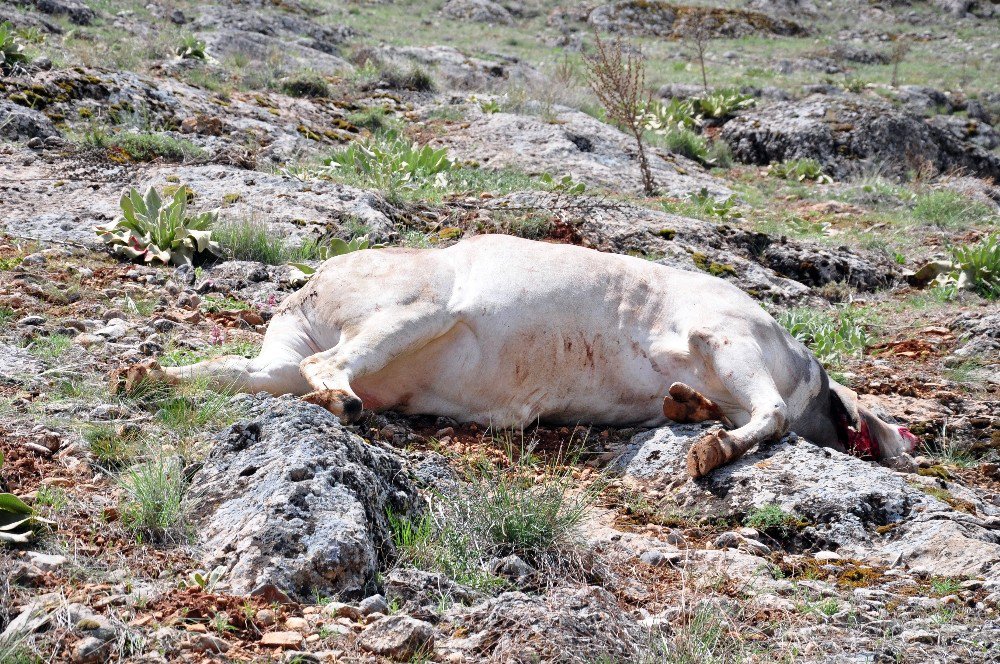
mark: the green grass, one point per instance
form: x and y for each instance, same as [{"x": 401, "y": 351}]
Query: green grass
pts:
[
  {"x": 305, "y": 84},
  {"x": 771, "y": 518},
  {"x": 50, "y": 348},
  {"x": 949, "y": 209},
  {"x": 113, "y": 447},
  {"x": 176, "y": 356},
  {"x": 152, "y": 146},
  {"x": 496, "y": 512},
  {"x": 7, "y": 316},
  {"x": 943, "y": 585},
  {"x": 153, "y": 499},
  {"x": 252, "y": 240}
]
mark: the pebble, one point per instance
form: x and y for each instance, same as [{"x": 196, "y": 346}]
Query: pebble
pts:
[
  {"x": 827, "y": 555},
  {"x": 208, "y": 643},
  {"x": 281, "y": 639},
  {"x": 298, "y": 624},
  {"x": 266, "y": 617},
  {"x": 657, "y": 558},
  {"x": 918, "y": 636},
  {"x": 31, "y": 320},
  {"x": 373, "y": 604},
  {"x": 88, "y": 340}
]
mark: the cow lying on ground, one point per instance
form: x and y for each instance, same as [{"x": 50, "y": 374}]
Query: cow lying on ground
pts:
[{"x": 501, "y": 330}]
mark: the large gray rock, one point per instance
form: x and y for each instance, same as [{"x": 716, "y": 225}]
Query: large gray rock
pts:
[
  {"x": 480, "y": 11},
  {"x": 18, "y": 123},
  {"x": 850, "y": 133},
  {"x": 569, "y": 624},
  {"x": 291, "y": 208},
  {"x": 452, "y": 69},
  {"x": 863, "y": 508},
  {"x": 573, "y": 142},
  {"x": 300, "y": 30},
  {"x": 290, "y": 498},
  {"x": 662, "y": 19},
  {"x": 262, "y": 49}
]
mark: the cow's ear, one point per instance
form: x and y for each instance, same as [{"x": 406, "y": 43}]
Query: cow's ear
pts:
[{"x": 845, "y": 401}]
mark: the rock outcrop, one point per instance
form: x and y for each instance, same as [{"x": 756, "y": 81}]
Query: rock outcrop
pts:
[
  {"x": 656, "y": 18},
  {"x": 850, "y": 133},
  {"x": 859, "y": 507},
  {"x": 290, "y": 499}
]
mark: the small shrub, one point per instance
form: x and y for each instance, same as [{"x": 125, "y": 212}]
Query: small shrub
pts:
[
  {"x": 153, "y": 504},
  {"x": 12, "y": 54},
  {"x": 687, "y": 143},
  {"x": 831, "y": 335},
  {"x": 416, "y": 79},
  {"x": 771, "y": 518},
  {"x": 978, "y": 266},
  {"x": 373, "y": 119},
  {"x": 618, "y": 78},
  {"x": 949, "y": 209},
  {"x": 191, "y": 48},
  {"x": 391, "y": 164},
  {"x": 800, "y": 170},
  {"x": 305, "y": 84},
  {"x": 722, "y": 104},
  {"x": 335, "y": 247},
  {"x": 564, "y": 185},
  {"x": 497, "y": 512},
  {"x": 151, "y": 146},
  {"x": 150, "y": 231}
]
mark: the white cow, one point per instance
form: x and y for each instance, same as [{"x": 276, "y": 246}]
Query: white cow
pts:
[{"x": 501, "y": 330}]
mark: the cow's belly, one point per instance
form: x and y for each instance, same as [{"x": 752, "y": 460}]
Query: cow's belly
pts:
[{"x": 526, "y": 375}]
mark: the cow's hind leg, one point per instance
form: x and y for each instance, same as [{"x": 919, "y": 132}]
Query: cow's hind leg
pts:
[
  {"x": 741, "y": 368},
  {"x": 366, "y": 351}
]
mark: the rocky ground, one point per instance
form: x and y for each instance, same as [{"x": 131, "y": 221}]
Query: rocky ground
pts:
[{"x": 196, "y": 526}]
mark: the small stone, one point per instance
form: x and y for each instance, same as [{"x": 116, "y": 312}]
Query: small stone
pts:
[
  {"x": 826, "y": 556},
  {"x": 298, "y": 624},
  {"x": 373, "y": 604},
  {"x": 399, "y": 637},
  {"x": 657, "y": 558},
  {"x": 46, "y": 562},
  {"x": 35, "y": 143},
  {"x": 341, "y": 610},
  {"x": 209, "y": 643},
  {"x": 90, "y": 649},
  {"x": 265, "y": 617},
  {"x": 918, "y": 636},
  {"x": 31, "y": 320},
  {"x": 282, "y": 639},
  {"x": 88, "y": 340}
]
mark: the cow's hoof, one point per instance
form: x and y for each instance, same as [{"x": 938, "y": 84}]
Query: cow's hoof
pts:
[
  {"x": 341, "y": 403},
  {"x": 686, "y": 405},
  {"x": 706, "y": 455},
  {"x": 137, "y": 378}
]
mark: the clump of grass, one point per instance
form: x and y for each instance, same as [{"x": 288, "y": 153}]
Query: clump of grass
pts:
[
  {"x": 191, "y": 48},
  {"x": 949, "y": 209},
  {"x": 944, "y": 585},
  {"x": 51, "y": 347},
  {"x": 771, "y": 518},
  {"x": 7, "y": 316},
  {"x": 305, "y": 84},
  {"x": 373, "y": 119},
  {"x": 686, "y": 142},
  {"x": 153, "y": 501},
  {"x": 414, "y": 78},
  {"x": 830, "y": 335},
  {"x": 113, "y": 447},
  {"x": 150, "y": 146},
  {"x": 500, "y": 511},
  {"x": 251, "y": 240}
]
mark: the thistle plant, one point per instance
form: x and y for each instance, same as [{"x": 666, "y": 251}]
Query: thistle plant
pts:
[
  {"x": 11, "y": 49},
  {"x": 18, "y": 521},
  {"x": 152, "y": 231}
]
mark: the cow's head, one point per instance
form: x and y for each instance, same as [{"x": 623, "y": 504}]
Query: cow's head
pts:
[{"x": 862, "y": 432}]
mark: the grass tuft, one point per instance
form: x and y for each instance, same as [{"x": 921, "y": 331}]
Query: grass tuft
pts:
[{"x": 153, "y": 502}]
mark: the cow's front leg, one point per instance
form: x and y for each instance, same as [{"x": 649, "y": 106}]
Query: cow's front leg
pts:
[
  {"x": 366, "y": 351},
  {"x": 742, "y": 369}
]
